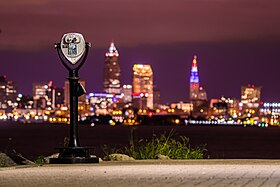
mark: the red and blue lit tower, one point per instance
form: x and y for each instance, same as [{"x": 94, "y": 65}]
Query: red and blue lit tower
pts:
[{"x": 194, "y": 81}]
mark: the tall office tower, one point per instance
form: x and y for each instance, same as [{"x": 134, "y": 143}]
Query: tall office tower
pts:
[
  {"x": 112, "y": 71},
  {"x": 194, "y": 81},
  {"x": 198, "y": 96},
  {"x": 250, "y": 100},
  {"x": 196, "y": 91},
  {"x": 142, "y": 86},
  {"x": 81, "y": 99},
  {"x": 8, "y": 94}
]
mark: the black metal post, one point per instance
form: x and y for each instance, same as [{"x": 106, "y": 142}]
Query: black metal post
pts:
[{"x": 73, "y": 82}]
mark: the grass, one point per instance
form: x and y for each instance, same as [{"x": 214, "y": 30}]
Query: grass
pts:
[{"x": 167, "y": 145}]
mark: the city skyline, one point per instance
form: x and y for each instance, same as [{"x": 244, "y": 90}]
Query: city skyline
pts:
[
  {"x": 59, "y": 81},
  {"x": 237, "y": 43}
]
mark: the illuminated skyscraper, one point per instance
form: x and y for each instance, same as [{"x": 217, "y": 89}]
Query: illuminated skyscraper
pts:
[
  {"x": 196, "y": 91},
  {"x": 142, "y": 86},
  {"x": 194, "y": 81},
  {"x": 250, "y": 100},
  {"x": 198, "y": 96},
  {"x": 112, "y": 71}
]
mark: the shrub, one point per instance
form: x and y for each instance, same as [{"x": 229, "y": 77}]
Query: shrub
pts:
[
  {"x": 165, "y": 145},
  {"x": 40, "y": 160}
]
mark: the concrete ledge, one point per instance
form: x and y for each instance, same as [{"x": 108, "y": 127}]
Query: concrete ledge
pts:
[{"x": 196, "y": 162}]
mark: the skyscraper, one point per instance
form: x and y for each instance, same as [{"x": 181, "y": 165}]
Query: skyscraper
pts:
[
  {"x": 142, "y": 86},
  {"x": 198, "y": 96},
  {"x": 196, "y": 91},
  {"x": 112, "y": 71},
  {"x": 194, "y": 81},
  {"x": 250, "y": 100}
]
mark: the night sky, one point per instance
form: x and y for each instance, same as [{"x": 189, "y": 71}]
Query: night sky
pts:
[{"x": 237, "y": 42}]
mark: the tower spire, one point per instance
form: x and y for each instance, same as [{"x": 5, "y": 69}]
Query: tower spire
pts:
[
  {"x": 194, "y": 71},
  {"x": 112, "y": 50},
  {"x": 194, "y": 62}
]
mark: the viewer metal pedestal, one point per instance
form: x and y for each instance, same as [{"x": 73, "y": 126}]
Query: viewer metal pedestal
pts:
[{"x": 74, "y": 153}]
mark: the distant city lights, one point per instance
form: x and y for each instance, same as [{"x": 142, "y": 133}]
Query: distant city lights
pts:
[{"x": 129, "y": 104}]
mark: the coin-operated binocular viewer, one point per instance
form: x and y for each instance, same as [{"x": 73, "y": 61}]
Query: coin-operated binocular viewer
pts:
[{"x": 73, "y": 51}]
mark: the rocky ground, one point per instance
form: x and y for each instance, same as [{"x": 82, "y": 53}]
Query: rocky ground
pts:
[{"x": 13, "y": 158}]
